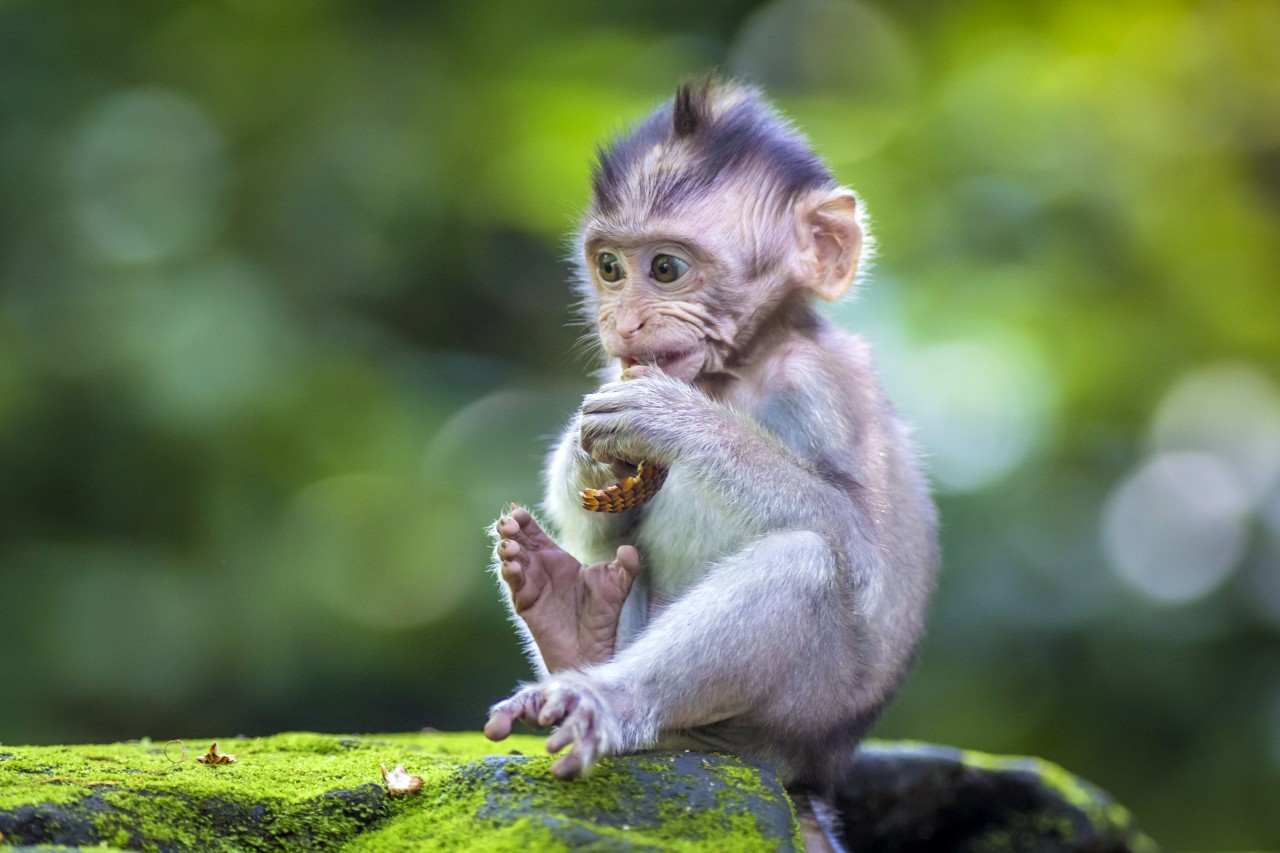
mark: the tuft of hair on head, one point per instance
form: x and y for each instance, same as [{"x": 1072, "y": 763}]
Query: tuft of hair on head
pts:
[
  {"x": 688, "y": 109},
  {"x": 713, "y": 131}
]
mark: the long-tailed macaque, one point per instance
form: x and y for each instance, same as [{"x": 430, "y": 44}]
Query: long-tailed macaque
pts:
[{"x": 769, "y": 599}]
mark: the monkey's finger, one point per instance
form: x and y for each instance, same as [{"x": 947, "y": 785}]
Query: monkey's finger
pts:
[
  {"x": 603, "y": 407},
  {"x": 520, "y": 515},
  {"x": 642, "y": 370},
  {"x": 507, "y": 526},
  {"x": 508, "y": 549},
  {"x": 599, "y": 437},
  {"x": 608, "y": 402},
  {"x": 612, "y": 398},
  {"x": 592, "y": 442}
]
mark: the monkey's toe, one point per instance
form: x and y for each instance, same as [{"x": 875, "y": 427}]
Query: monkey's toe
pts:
[
  {"x": 628, "y": 560},
  {"x": 524, "y": 705},
  {"x": 607, "y": 586},
  {"x": 568, "y": 767},
  {"x": 507, "y": 527},
  {"x": 513, "y": 574},
  {"x": 519, "y": 527},
  {"x": 530, "y": 532},
  {"x": 557, "y": 704},
  {"x": 578, "y": 731},
  {"x": 577, "y": 761},
  {"x": 498, "y": 727}
]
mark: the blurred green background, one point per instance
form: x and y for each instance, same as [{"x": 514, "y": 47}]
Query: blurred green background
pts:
[{"x": 283, "y": 324}]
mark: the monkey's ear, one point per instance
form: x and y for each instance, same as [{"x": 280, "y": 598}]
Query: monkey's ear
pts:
[{"x": 832, "y": 237}]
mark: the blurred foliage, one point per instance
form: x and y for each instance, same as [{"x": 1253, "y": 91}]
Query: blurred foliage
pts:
[{"x": 283, "y": 324}]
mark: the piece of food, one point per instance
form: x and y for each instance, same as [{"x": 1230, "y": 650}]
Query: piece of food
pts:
[{"x": 631, "y": 492}]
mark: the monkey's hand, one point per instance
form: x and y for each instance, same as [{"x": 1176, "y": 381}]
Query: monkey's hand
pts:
[
  {"x": 583, "y": 471},
  {"x": 586, "y": 720},
  {"x": 646, "y": 418}
]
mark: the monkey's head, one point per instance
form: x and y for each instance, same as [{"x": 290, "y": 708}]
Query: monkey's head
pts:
[{"x": 706, "y": 221}]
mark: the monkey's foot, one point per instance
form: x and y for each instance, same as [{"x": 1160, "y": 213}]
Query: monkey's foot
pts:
[
  {"x": 571, "y": 609},
  {"x": 586, "y": 723}
]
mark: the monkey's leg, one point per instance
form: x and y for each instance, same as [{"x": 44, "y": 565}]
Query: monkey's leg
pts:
[
  {"x": 768, "y": 639},
  {"x": 570, "y": 609}
]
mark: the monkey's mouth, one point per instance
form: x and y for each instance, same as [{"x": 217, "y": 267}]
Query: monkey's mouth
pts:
[{"x": 675, "y": 363}]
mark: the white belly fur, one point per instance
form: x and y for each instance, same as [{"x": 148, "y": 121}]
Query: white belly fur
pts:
[{"x": 680, "y": 538}]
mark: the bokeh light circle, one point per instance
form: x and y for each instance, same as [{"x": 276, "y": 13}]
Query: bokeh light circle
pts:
[
  {"x": 980, "y": 406},
  {"x": 377, "y": 550},
  {"x": 1230, "y": 410},
  {"x": 1175, "y": 528},
  {"x": 148, "y": 176}
]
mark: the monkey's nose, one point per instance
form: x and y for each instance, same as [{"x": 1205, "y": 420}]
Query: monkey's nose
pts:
[{"x": 628, "y": 330}]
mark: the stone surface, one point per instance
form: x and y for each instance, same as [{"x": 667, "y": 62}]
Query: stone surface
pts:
[
  {"x": 919, "y": 798},
  {"x": 323, "y": 792}
]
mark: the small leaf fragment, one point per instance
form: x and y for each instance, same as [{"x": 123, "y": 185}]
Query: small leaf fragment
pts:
[
  {"x": 400, "y": 781},
  {"x": 215, "y": 757}
]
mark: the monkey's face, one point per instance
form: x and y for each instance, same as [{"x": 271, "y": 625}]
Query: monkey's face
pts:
[
  {"x": 674, "y": 291},
  {"x": 650, "y": 298},
  {"x": 687, "y": 291}
]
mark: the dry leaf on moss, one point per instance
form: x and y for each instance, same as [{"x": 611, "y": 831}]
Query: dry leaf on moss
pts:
[
  {"x": 400, "y": 781},
  {"x": 215, "y": 757}
]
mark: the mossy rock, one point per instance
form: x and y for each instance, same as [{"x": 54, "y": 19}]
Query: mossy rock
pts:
[
  {"x": 322, "y": 792},
  {"x": 920, "y": 798}
]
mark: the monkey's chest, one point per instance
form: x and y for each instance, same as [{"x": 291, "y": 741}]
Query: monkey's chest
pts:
[{"x": 682, "y": 535}]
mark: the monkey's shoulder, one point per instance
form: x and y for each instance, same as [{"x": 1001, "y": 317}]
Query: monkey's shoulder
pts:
[
  {"x": 824, "y": 357},
  {"x": 825, "y": 376}
]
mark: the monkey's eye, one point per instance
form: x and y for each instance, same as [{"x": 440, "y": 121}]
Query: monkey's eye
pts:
[
  {"x": 610, "y": 267},
  {"x": 667, "y": 268}
]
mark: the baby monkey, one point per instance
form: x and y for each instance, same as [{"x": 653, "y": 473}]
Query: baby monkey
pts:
[{"x": 769, "y": 598}]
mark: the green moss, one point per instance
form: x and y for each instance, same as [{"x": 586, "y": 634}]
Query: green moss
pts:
[
  {"x": 1101, "y": 810},
  {"x": 286, "y": 789},
  {"x": 320, "y": 792}
]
